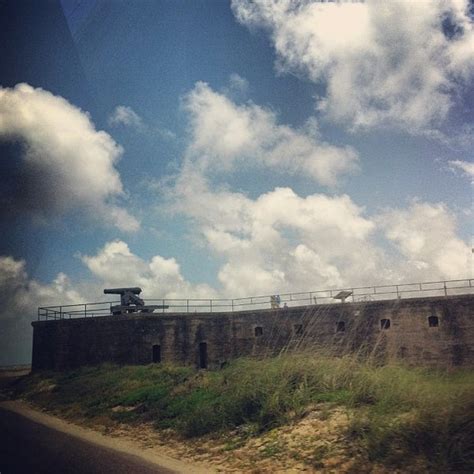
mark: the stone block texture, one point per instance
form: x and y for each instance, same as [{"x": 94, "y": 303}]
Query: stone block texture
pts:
[{"x": 437, "y": 331}]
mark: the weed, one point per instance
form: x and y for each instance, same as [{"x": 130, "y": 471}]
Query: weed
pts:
[{"x": 397, "y": 412}]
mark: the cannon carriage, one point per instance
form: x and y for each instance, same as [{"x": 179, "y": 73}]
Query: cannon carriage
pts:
[{"x": 130, "y": 302}]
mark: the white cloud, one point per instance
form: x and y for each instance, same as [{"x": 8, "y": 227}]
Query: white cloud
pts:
[
  {"x": 465, "y": 166},
  {"x": 21, "y": 296},
  {"x": 125, "y": 115},
  {"x": 398, "y": 62},
  {"x": 116, "y": 266},
  {"x": 425, "y": 235},
  {"x": 66, "y": 163},
  {"x": 280, "y": 241},
  {"x": 285, "y": 241},
  {"x": 226, "y": 135}
]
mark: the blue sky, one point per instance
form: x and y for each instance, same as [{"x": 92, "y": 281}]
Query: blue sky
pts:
[{"x": 210, "y": 148}]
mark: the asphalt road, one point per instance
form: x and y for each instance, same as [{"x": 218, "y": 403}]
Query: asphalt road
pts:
[{"x": 30, "y": 447}]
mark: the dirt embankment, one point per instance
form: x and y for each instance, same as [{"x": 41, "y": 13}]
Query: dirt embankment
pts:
[
  {"x": 286, "y": 414},
  {"x": 314, "y": 444}
]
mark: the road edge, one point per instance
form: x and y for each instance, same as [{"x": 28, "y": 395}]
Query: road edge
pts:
[{"x": 149, "y": 455}]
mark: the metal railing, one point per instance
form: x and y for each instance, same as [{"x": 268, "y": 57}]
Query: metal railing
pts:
[{"x": 201, "y": 305}]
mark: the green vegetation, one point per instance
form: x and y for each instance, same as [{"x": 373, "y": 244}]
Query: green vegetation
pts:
[{"x": 396, "y": 413}]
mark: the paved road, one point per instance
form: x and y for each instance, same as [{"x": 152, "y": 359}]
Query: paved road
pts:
[{"x": 32, "y": 448}]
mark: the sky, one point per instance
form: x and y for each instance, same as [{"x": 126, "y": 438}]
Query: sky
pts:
[{"x": 227, "y": 149}]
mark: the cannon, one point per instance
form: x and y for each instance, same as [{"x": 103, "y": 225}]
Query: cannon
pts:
[{"x": 130, "y": 302}]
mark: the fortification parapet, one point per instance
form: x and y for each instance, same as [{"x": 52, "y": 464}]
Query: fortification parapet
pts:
[{"x": 435, "y": 331}]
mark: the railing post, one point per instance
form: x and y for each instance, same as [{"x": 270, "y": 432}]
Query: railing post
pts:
[
  {"x": 187, "y": 306},
  {"x": 398, "y": 292},
  {"x": 232, "y": 304},
  {"x": 85, "y": 310},
  {"x": 445, "y": 289},
  {"x": 163, "y": 309},
  {"x": 60, "y": 312},
  {"x": 310, "y": 298},
  {"x": 210, "y": 305}
]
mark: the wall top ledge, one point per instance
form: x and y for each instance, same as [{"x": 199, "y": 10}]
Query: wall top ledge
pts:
[{"x": 401, "y": 303}]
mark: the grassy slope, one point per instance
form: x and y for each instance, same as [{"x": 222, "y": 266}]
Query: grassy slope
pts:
[{"x": 397, "y": 413}]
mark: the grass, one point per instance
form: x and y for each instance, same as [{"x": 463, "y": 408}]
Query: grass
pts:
[{"x": 397, "y": 413}]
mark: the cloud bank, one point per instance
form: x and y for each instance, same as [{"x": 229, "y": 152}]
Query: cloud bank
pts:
[
  {"x": 382, "y": 63},
  {"x": 66, "y": 164},
  {"x": 281, "y": 241}
]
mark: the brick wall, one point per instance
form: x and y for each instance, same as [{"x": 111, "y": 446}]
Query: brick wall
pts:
[{"x": 422, "y": 331}]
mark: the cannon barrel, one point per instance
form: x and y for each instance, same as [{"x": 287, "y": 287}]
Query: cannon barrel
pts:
[{"x": 122, "y": 291}]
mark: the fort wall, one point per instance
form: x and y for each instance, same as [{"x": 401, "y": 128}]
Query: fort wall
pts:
[{"x": 435, "y": 331}]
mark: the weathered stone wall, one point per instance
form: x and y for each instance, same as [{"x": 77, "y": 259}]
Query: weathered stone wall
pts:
[{"x": 336, "y": 328}]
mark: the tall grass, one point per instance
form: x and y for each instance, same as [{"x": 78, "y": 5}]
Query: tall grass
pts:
[{"x": 396, "y": 412}]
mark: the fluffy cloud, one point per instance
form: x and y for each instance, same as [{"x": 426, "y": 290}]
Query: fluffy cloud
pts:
[
  {"x": 393, "y": 62},
  {"x": 280, "y": 241},
  {"x": 116, "y": 266},
  {"x": 66, "y": 163},
  {"x": 21, "y": 296},
  {"x": 124, "y": 115},
  {"x": 425, "y": 235},
  {"x": 226, "y": 135}
]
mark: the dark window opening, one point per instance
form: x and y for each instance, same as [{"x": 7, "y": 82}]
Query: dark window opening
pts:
[
  {"x": 340, "y": 326},
  {"x": 298, "y": 328},
  {"x": 384, "y": 323},
  {"x": 156, "y": 353},
  {"x": 258, "y": 331},
  {"x": 402, "y": 352},
  {"x": 203, "y": 355},
  {"x": 433, "y": 321}
]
